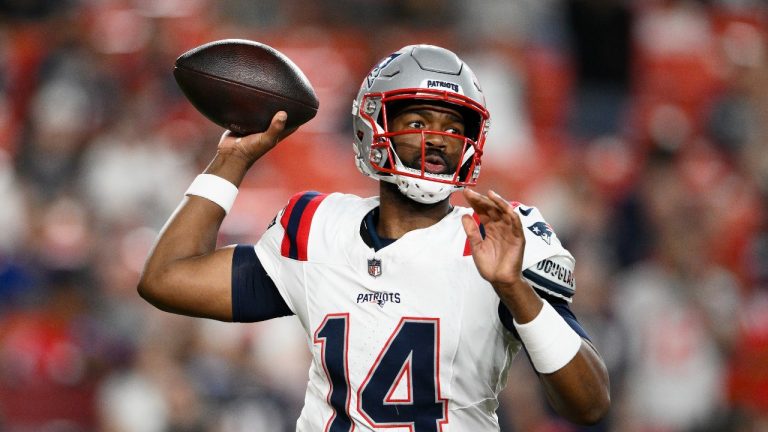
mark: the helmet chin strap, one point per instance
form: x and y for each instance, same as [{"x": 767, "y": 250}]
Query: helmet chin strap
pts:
[
  {"x": 421, "y": 190},
  {"x": 424, "y": 191}
]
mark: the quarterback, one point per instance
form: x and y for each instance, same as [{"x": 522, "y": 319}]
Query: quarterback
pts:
[{"x": 413, "y": 308}]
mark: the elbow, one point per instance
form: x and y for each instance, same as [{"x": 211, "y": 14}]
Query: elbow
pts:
[
  {"x": 593, "y": 414},
  {"x": 150, "y": 288},
  {"x": 144, "y": 288},
  {"x": 586, "y": 409},
  {"x": 595, "y": 400}
]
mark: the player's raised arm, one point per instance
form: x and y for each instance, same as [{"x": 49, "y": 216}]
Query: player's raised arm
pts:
[
  {"x": 574, "y": 376},
  {"x": 184, "y": 272}
]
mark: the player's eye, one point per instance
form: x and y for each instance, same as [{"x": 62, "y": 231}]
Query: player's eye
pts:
[
  {"x": 415, "y": 124},
  {"x": 455, "y": 130}
]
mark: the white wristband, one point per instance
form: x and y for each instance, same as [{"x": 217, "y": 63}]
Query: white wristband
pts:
[
  {"x": 214, "y": 188},
  {"x": 551, "y": 343}
]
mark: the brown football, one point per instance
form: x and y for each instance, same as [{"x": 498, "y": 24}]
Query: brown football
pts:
[{"x": 240, "y": 85}]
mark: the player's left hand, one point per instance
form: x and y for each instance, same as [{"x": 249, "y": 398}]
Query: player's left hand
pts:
[{"x": 498, "y": 256}]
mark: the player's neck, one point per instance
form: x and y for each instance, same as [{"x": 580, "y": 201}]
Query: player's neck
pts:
[{"x": 399, "y": 214}]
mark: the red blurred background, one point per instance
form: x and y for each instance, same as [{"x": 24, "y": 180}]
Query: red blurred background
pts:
[{"x": 637, "y": 127}]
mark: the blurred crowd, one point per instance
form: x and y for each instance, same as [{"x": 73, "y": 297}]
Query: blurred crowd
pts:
[{"x": 639, "y": 128}]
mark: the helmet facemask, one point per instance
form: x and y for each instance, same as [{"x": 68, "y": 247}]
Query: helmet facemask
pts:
[{"x": 417, "y": 182}]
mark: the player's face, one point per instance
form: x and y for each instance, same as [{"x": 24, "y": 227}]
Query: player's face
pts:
[{"x": 441, "y": 152}]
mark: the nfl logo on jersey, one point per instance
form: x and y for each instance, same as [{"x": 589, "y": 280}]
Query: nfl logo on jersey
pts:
[{"x": 374, "y": 267}]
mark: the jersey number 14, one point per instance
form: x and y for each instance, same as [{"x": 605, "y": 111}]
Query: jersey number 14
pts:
[{"x": 411, "y": 353}]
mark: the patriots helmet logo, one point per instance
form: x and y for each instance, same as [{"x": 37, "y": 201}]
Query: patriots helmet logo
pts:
[
  {"x": 543, "y": 230},
  {"x": 378, "y": 68}
]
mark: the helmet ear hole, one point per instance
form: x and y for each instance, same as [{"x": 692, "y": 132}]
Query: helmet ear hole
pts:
[
  {"x": 360, "y": 134},
  {"x": 381, "y": 158}
]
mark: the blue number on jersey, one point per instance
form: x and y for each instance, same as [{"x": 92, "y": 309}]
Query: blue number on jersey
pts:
[
  {"x": 333, "y": 335},
  {"x": 412, "y": 351},
  {"x": 410, "y": 354}
]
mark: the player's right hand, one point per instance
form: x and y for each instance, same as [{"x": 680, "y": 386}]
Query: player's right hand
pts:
[{"x": 251, "y": 147}]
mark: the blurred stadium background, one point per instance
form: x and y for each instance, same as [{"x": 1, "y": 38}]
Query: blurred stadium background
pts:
[{"x": 640, "y": 128}]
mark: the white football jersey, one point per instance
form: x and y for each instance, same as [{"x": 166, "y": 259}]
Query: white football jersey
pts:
[{"x": 407, "y": 338}]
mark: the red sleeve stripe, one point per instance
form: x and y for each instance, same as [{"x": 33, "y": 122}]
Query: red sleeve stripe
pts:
[
  {"x": 296, "y": 222},
  {"x": 302, "y": 237}
]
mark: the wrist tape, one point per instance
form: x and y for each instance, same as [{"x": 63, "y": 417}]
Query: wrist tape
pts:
[
  {"x": 214, "y": 188},
  {"x": 551, "y": 343}
]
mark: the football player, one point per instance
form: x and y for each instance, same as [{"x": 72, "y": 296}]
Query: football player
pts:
[{"x": 413, "y": 308}]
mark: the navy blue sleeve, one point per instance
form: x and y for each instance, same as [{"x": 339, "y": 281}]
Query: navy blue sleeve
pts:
[
  {"x": 254, "y": 295},
  {"x": 560, "y": 305}
]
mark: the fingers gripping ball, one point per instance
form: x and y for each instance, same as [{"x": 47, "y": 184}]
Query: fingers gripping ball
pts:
[{"x": 240, "y": 84}]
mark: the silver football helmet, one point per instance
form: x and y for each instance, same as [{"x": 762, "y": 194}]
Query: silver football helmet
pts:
[{"x": 424, "y": 74}]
